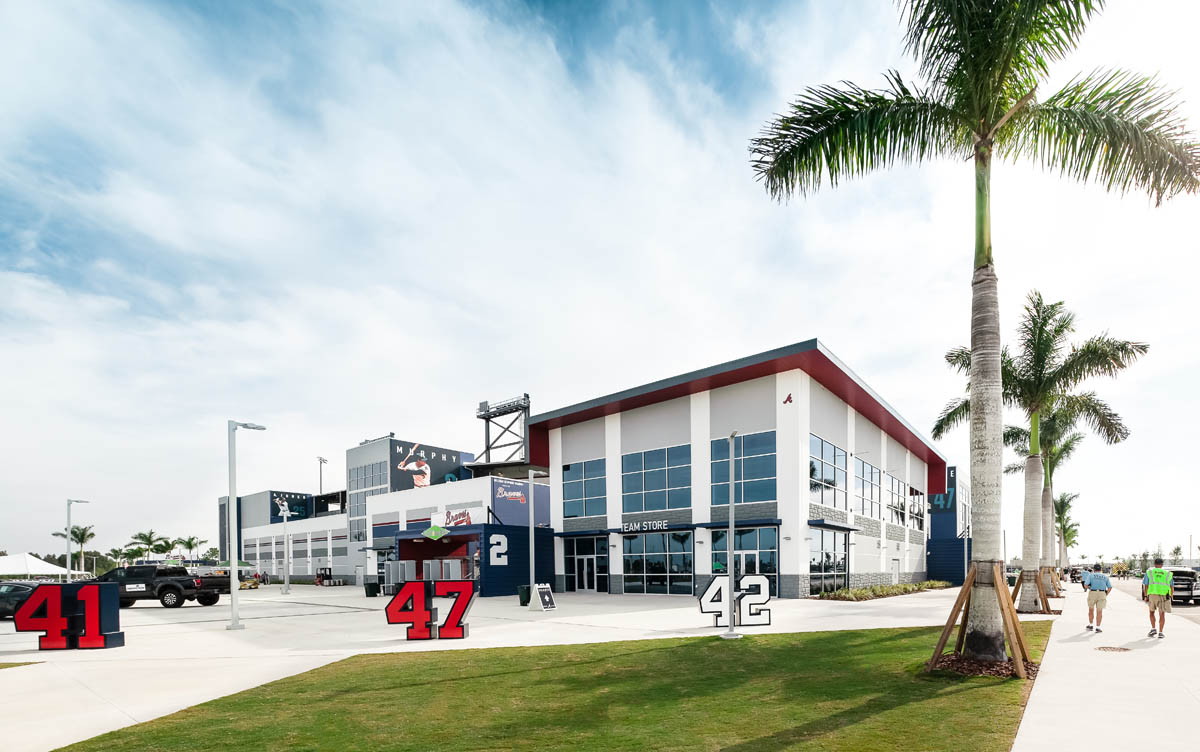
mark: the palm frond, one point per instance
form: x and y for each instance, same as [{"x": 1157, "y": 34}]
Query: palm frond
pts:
[
  {"x": 830, "y": 133},
  {"x": 1098, "y": 356},
  {"x": 955, "y": 412},
  {"x": 1118, "y": 128},
  {"x": 988, "y": 55},
  {"x": 959, "y": 359},
  {"x": 1061, "y": 451},
  {"x": 1016, "y": 436},
  {"x": 1094, "y": 412},
  {"x": 1013, "y": 468}
]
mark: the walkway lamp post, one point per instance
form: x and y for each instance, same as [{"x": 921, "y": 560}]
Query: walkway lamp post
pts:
[
  {"x": 69, "y": 503},
  {"x": 231, "y": 523}
]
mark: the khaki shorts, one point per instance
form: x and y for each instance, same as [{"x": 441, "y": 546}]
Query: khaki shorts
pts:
[
  {"x": 1160, "y": 603},
  {"x": 1097, "y": 599}
]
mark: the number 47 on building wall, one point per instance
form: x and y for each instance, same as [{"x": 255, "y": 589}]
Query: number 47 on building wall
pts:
[{"x": 753, "y": 592}]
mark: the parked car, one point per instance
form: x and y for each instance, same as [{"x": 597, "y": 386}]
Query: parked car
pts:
[
  {"x": 12, "y": 595},
  {"x": 1184, "y": 587},
  {"x": 170, "y": 586}
]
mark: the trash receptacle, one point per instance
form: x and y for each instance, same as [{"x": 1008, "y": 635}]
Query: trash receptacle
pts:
[
  {"x": 372, "y": 589},
  {"x": 523, "y": 594}
]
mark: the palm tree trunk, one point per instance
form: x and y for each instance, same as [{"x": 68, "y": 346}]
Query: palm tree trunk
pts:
[
  {"x": 1047, "y": 528},
  {"x": 1032, "y": 543},
  {"x": 985, "y": 630}
]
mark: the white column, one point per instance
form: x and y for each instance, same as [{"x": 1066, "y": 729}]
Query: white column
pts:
[
  {"x": 851, "y": 499},
  {"x": 907, "y": 483},
  {"x": 791, "y": 469},
  {"x": 701, "y": 442},
  {"x": 612, "y": 455},
  {"x": 885, "y": 546},
  {"x": 556, "y": 501},
  {"x": 308, "y": 551}
]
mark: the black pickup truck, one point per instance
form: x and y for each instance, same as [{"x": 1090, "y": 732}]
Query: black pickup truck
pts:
[{"x": 170, "y": 586}]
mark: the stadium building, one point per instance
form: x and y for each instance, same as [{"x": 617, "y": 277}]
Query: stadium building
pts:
[{"x": 830, "y": 483}]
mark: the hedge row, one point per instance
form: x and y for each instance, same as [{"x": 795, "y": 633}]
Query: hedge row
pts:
[{"x": 882, "y": 591}]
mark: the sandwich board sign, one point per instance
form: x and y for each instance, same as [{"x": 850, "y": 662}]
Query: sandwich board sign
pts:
[{"x": 545, "y": 596}]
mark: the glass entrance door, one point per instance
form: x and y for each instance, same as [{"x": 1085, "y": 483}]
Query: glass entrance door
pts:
[
  {"x": 585, "y": 573},
  {"x": 745, "y": 562}
]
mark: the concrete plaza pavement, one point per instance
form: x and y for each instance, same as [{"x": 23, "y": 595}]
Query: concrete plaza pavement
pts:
[
  {"x": 1085, "y": 698},
  {"x": 175, "y": 658}
]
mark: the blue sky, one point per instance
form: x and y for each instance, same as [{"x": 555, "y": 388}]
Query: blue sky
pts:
[{"x": 347, "y": 219}]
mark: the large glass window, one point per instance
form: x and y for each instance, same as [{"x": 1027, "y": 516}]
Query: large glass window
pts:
[
  {"x": 916, "y": 508},
  {"x": 896, "y": 494},
  {"x": 657, "y": 479},
  {"x": 867, "y": 488},
  {"x": 826, "y": 473},
  {"x": 585, "y": 562},
  {"x": 827, "y": 568},
  {"x": 754, "y": 468},
  {"x": 755, "y": 551},
  {"x": 658, "y": 562},
  {"x": 584, "y": 489}
]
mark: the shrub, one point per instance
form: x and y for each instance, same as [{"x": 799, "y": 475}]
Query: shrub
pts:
[{"x": 882, "y": 591}]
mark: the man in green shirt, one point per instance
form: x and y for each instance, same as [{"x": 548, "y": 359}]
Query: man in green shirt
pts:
[{"x": 1156, "y": 590}]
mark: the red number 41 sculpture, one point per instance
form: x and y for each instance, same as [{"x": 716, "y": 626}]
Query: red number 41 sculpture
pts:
[
  {"x": 413, "y": 605},
  {"x": 84, "y": 615}
]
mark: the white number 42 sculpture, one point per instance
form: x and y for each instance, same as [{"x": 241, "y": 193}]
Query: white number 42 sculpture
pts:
[{"x": 753, "y": 592}]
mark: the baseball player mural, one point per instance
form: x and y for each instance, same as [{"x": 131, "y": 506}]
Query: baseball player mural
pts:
[
  {"x": 420, "y": 469},
  {"x": 422, "y": 465}
]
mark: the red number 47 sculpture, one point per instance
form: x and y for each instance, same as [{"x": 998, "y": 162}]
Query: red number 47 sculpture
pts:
[{"x": 413, "y": 605}]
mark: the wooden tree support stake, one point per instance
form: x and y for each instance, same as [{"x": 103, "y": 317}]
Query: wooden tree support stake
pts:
[
  {"x": 1045, "y": 601},
  {"x": 959, "y": 603},
  {"x": 962, "y": 628},
  {"x": 1012, "y": 626},
  {"x": 1017, "y": 588}
]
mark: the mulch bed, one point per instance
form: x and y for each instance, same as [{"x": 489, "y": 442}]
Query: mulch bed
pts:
[{"x": 972, "y": 667}]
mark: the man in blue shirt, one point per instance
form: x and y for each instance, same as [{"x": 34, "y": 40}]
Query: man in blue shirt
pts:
[{"x": 1098, "y": 587}]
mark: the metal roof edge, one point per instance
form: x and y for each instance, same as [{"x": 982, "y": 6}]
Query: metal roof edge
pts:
[
  {"x": 875, "y": 396},
  {"x": 672, "y": 381}
]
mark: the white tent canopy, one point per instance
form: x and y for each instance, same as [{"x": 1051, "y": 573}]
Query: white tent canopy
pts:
[{"x": 29, "y": 565}]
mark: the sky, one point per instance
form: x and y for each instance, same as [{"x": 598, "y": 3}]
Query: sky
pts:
[{"x": 343, "y": 220}]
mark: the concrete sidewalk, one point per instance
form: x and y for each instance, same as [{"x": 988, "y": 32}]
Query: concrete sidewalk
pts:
[
  {"x": 179, "y": 657},
  {"x": 1092, "y": 699}
]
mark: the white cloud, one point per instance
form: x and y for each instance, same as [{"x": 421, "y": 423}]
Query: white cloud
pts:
[{"x": 453, "y": 216}]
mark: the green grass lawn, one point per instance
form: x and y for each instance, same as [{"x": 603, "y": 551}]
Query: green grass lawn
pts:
[{"x": 854, "y": 690}]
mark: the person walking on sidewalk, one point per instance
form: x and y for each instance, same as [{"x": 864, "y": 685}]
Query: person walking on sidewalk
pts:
[
  {"x": 1156, "y": 590},
  {"x": 1098, "y": 588}
]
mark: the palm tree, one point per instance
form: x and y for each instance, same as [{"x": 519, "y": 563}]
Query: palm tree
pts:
[
  {"x": 1062, "y": 513},
  {"x": 982, "y": 63},
  {"x": 134, "y": 553},
  {"x": 150, "y": 541},
  {"x": 80, "y": 536},
  {"x": 1038, "y": 380},
  {"x": 117, "y": 555},
  {"x": 190, "y": 544}
]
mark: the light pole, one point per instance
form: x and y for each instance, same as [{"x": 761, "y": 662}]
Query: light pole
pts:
[
  {"x": 231, "y": 521},
  {"x": 69, "y": 503},
  {"x": 730, "y": 634},
  {"x": 285, "y": 512},
  {"x": 534, "y": 601},
  {"x": 321, "y": 474}
]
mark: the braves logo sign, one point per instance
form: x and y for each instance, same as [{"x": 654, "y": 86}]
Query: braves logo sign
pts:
[
  {"x": 510, "y": 493},
  {"x": 459, "y": 517}
]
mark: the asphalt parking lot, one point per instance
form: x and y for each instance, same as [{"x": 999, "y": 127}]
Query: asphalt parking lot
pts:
[
  {"x": 175, "y": 658},
  {"x": 1189, "y": 611}
]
